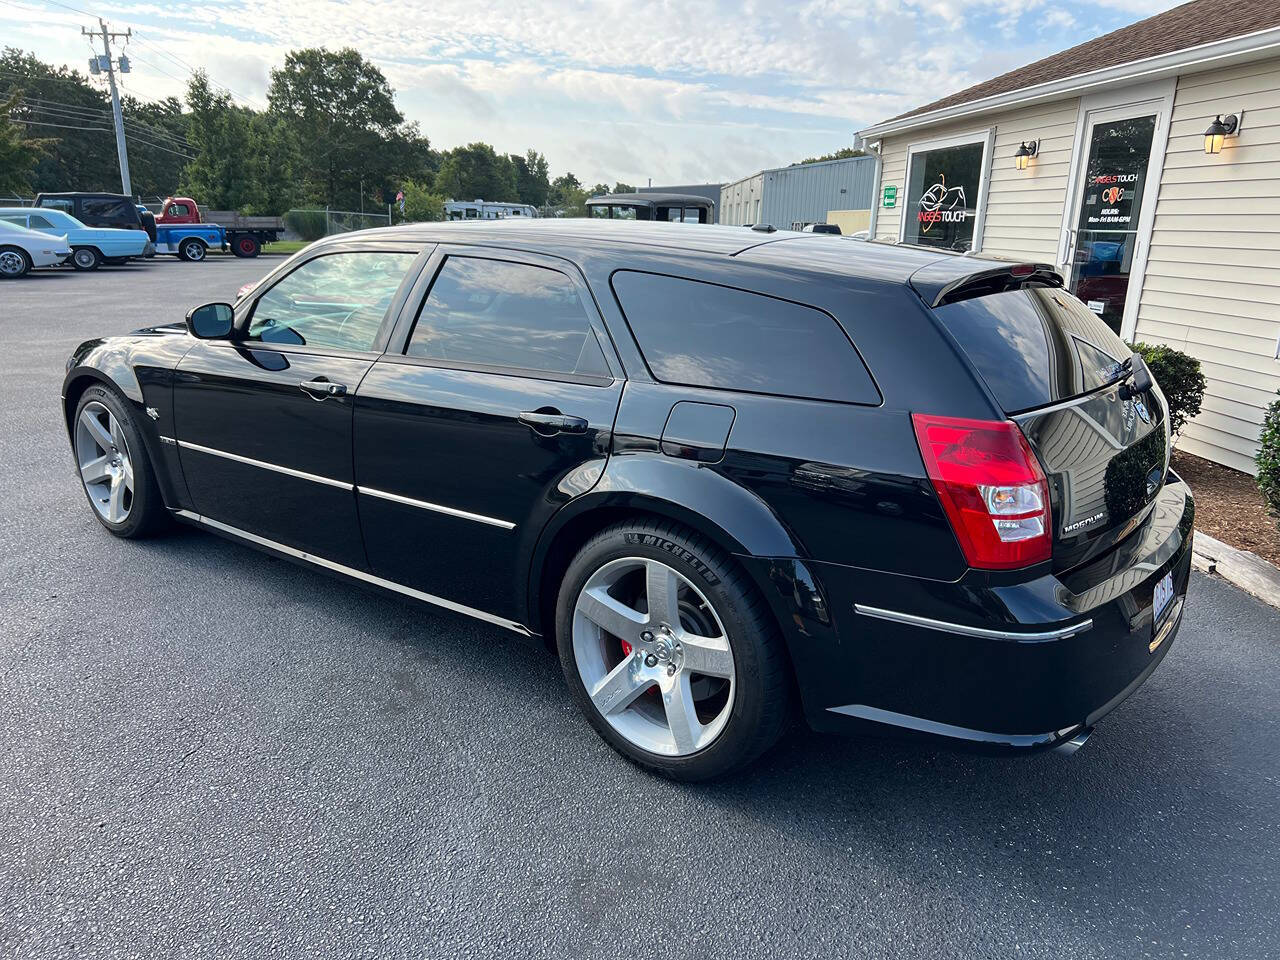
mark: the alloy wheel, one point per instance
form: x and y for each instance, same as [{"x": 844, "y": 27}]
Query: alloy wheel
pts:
[
  {"x": 12, "y": 263},
  {"x": 653, "y": 656},
  {"x": 105, "y": 467}
]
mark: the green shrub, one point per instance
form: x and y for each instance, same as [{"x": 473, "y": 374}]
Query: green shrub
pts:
[
  {"x": 308, "y": 224},
  {"x": 1268, "y": 459},
  {"x": 1180, "y": 379}
]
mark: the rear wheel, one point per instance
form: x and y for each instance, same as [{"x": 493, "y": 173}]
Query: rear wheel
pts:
[
  {"x": 13, "y": 263},
  {"x": 114, "y": 469},
  {"x": 191, "y": 250},
  {"x": 670, "y": 651},
  {"x": 86, "y": 258},
  {"x": 246, "y": 246}
]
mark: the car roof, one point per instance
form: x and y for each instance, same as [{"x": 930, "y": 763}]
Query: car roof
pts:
[
  {"x": 812, "y": 253},
  {"x": 73, "y": 194}
]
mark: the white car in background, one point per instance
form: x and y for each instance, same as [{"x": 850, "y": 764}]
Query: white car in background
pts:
[
  {"x": 21, "y": 250},
  {"x": 90, "y": 246}
]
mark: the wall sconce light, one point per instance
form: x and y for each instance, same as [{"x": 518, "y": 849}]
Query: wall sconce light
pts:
[
  {"x": 1026, "y": 150},
  {"x": 1221, "y": 128}
]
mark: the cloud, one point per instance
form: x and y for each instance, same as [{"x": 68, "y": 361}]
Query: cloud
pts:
[{"x": 707, "y": 89}]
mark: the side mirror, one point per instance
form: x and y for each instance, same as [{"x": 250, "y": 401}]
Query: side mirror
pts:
[{"x": 212, "y": 321}]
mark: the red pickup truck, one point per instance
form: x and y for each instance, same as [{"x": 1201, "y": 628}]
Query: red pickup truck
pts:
[{"x": 245, "y": 235}]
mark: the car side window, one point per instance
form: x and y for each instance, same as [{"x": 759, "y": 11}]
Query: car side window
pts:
[
  {"x": 15, "y": 220},
  {"x": 104, "y": 208},
  {"x": 64, "y": 205},
  {"x": 706, "y": 335},
  {"x": 338, "y": 300},
  {"x": 178, "y": 209},
  {"x": 40, "y": 223},
  {"x": 498, "y": 313}
]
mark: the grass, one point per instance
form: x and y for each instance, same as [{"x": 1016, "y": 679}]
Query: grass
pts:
[{"x": 285, "y": 246}]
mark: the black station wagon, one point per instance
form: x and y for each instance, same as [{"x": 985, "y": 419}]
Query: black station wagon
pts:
[{"x": 719, "y": 471}]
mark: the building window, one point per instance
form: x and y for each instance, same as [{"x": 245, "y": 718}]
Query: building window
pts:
[{"x": 945, "y": 183}]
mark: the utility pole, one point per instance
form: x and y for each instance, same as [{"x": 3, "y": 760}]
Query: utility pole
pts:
[{"x": 104, "y": 62}]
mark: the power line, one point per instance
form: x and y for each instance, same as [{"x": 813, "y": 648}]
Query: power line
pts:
[{"x": 66, "y": 110}]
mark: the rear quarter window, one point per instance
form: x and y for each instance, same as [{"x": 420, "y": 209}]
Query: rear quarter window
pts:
[{"x": 706, "y": 335}]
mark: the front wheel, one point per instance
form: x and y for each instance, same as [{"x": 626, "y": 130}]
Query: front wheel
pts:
[
  {"x": 13, "y": 263},
  {"x": 191, "y": 250},
  {"x": 86, "y": 258},
  {"x": 114, "y": 468},
  {"x": 671, "y": 652}
]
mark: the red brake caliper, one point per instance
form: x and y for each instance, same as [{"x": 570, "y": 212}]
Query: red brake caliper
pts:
[{"x": 626, "y": 649}]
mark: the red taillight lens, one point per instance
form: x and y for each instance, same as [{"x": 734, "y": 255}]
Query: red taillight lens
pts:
[{"x": 992, "y": 488}]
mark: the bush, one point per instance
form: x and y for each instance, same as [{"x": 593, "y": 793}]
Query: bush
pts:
[
  {"x": 308, "y": 224},
  {"x": 420, "y": 204},
  {"x": 1180, "y": 379},
  {"x": 1268, "y": 459}
]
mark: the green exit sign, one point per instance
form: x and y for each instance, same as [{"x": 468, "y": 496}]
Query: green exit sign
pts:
[{"x": 891, "y": 195}]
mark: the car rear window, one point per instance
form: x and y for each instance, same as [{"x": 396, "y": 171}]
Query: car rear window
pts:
[
  {"x": 1035, "y": 346},
  {"x": 706, "y": 335}
]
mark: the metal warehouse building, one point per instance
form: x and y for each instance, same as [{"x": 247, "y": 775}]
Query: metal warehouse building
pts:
[{"x": 834, "y": 191}]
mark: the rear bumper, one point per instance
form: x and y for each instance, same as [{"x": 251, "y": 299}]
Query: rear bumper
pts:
[{"x": 984, "y": 661}]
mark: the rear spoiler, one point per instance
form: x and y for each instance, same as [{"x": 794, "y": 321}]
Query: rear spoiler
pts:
[{"x": 952, "y": 279}]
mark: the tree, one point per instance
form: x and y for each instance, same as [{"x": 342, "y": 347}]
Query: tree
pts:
[
  {"x": 242, "y": 160},
  {"x": 156, "y": 132},
  {"x": 621, "y": 187},
  {"x": 533, "y": 183},
  {"x": 342, "y": 112},
  {"x": 561, "y": 186},
  {"x": 60, "y": 103},
  {"x": 477, "y": 171},
  {"x": 18, "y": 155},
  {"x": 844, "y": 153},
  {"x": 598, "y": 190},
  {"x": 420, "y": 203}
]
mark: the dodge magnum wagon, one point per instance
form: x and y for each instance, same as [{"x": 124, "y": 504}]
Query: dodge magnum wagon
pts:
[{"x": 725, "y": 474}]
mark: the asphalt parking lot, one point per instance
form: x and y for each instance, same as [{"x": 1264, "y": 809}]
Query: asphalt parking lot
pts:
[{"x": 206, "y": 752}]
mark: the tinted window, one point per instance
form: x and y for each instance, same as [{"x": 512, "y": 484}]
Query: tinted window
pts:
[
  {"x": 102, "y": 208},
  {"x": 14, "y": 219},
  {"x": 1035, "y": 346},
  {"x": 499, "y": 313},
  {"x": 332, "y": 301},
  {"x": 40, "y": 223},
  {"x": 705, "y": 335},
  {"x": 58, "y": 204}
]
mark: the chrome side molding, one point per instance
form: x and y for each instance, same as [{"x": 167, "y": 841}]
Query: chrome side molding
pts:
[
  {"x": 353, "y": 573},
  {"x": 943, "y": 626},
  {"x": 343, "y": 485},
  {"x": 437, "y": 508},
  {"x": 262, "y": 464}
]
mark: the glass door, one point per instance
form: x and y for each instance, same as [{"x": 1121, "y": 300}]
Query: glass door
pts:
[{"x": 1105, "y": 236}]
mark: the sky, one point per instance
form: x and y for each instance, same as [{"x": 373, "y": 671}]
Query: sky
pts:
[{"x": 670, "y": 92}]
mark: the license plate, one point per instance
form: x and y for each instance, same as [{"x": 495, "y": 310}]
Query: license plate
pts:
[{"x": 1163, "y": 595}]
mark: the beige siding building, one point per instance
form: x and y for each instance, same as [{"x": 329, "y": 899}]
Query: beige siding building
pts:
[{"x": 1166, "y": 240}]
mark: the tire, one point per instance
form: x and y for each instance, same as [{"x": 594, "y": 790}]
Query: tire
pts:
[
  {"x": 191, "y": 250},
  {"x": 85, "y": 259},
  {"x": 738, "y": 717},
  {"x": 105, "y": 465},
  {"x": 14, "y": 263},
  {"x": 246, "y": 246}
]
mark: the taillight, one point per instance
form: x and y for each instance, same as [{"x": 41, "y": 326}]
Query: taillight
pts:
[{"x": 992, "y": 488}]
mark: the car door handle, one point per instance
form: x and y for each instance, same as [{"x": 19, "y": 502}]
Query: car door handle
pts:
[
  {"x": 322, "y": 389},
  {"x": 550, "y": 422}
]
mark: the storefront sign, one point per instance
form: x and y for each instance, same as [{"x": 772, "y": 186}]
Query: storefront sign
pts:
[
  {"x": 891, "y": 195},
  {"x": 942, "y": 196}
]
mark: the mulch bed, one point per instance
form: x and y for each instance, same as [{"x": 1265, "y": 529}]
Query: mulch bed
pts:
[{"x": 1229, "y": 506}]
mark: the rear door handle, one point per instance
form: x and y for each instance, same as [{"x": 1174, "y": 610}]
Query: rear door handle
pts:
[
  {"x": 322, "y": 389},
  {"x": 550, "y": 422}
]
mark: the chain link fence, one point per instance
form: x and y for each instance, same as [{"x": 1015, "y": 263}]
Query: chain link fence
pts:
[{"x": 314, "y": 223}]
